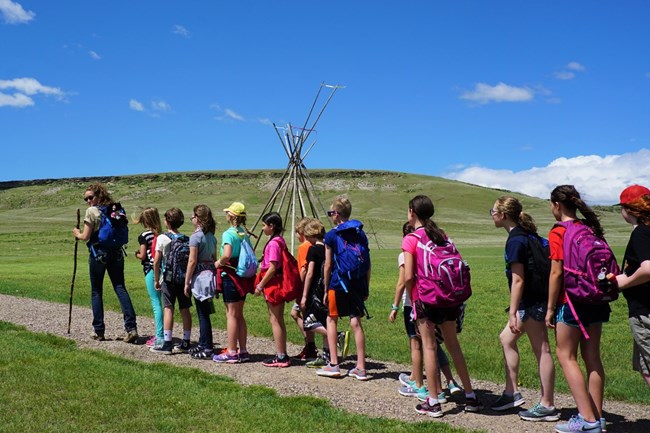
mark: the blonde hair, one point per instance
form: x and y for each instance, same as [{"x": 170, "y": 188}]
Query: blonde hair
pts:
[
  {"x": 150, "y": 219},
  {"x": 300, "y": 225},
  {"x": 343, "y": 206},
  {"x": 315, "y": 229},
  {"x": 513, "y": 209}
]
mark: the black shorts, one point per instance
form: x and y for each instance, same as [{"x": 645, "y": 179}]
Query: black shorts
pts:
[
  {"x": 409, "y": 323},
  {"x": 342, "y": 304},
  {"x": 173, "y": 292},
  {"x": 437, "y": 315}
]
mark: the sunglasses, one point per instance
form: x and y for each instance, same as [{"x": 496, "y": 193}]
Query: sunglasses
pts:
[
  {"x": 493, "y": 211},
  {"x": 89, "y": 197},
  {"x": 332, "y": 213}
]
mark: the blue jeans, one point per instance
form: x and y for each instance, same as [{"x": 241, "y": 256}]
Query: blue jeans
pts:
[
  {"x": 99, "y": 263},
  {"x": 203, "y": 310}
]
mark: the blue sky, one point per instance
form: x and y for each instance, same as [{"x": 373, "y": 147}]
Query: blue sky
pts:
[{"x": 511, "y": 94}]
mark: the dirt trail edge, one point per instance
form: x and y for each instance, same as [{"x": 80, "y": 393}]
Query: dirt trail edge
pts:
[{"x": 377, "y": 397}]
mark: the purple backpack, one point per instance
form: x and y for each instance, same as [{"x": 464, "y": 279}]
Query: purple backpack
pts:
[
  {"x": 587, "y": 261},
  {"x": 442, "y": 276}
]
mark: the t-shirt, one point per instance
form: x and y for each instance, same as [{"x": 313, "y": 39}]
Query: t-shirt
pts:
[
  {"x": 315, "y": 254},
  {"x": 93, "y": 218},
  {"x": 233, "y": 237},
  {"x": 207, "y": 249},
  {"x": 163, "y": 244},
  {"x": 410, "y": 245},
  {"x": 636, "y": 252},
  {"x": 273, "y": 253},
  {"x": 146, "y": 239},
  {"x": 556, "y": 247},
  {"x": 406, "y": 297},
  {"x": 303, "y": 248}
]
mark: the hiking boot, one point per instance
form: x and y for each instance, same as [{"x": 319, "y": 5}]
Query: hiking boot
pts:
[
  {"x": 540, "y": 413},
  {"x": 226, "y": 357},
  {"x": 329, "y": 371},
  {"x": 454, "y": 389},
  {"x": 183, "y": 347},
  {"x": 129, "y": 336},
  {"x": 508, "y": 401},
  {"x": 431, "y": 410},
  {"x": 358, "y": 374},
  {"x": 307, "y": 353},
  {"x": 343, "y": 343},
  {"x": 97, "y": 336},
  {"x": 165, "y": 349},
  {"x": 412, "y": 391},
  {"x": 473, "y": 405},
  {"x": 317, "y": 363},
  {"x": 244, "y": 357},
  {"x": 578, "y": 424},
  {"x": 276, "y": 361}
]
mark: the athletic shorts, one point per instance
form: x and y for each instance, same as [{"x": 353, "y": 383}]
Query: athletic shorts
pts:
[
  {"x": 438, "y": 315},
  {"x": 229, "y": 291},
  {"x": 409, "y": 323},
  {"x": 640, "y": 327},
  {"x": 589, "y": 314},
  {"x": 342, "y": 304},
  {"x": 171, "y": 293},
  {"x": 537, "y": 312}
]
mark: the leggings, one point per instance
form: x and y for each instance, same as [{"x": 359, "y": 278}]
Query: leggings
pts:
[{"x": 156, "y": 303}]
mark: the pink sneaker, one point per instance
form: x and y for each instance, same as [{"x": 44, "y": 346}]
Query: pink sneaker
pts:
[{"x": 151, "y": 341}]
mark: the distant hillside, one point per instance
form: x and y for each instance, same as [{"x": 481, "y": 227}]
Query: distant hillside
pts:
[{"x": 379, "y": 198}]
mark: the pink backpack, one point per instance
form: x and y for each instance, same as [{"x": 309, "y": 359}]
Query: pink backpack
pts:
[{"x": 442, "y": 276}]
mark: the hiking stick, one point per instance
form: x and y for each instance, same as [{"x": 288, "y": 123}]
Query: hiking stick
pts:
[{"x": 74, "y": 271}]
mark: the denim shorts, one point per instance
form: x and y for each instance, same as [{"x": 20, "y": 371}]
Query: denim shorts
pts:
[
  {"x": 589, "y": 314},
  {"x": 229, "y": 291},
  {"x": 409, "y": 323},
  {"x": 537, "y": 312}
]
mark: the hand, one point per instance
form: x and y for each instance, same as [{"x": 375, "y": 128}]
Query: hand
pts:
[
  {"x": 188, "y": 290},
  {"x": 392, "y": 316},
  {"x": 217, "y": 264},
  {"x": 76, "y": 233},
  {"x": 258, "y": 290},
  {"x": 550, "y": 319},
  {"x": 513, "y": 323},
  {"x": 158, "y": 286},
  {"x": 303, "y": 303}
]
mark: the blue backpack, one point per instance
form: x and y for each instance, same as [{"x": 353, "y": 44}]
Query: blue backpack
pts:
[
  {"x": 247, "y": 264},
  {"x": 113, "y": 232},
  {"x": 352, "y": 256}
]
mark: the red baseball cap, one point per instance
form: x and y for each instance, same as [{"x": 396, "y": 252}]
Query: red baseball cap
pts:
[{"x": 632, "y": 193}]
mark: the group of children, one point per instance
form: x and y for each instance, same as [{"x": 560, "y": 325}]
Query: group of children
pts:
[{"x": 333, "y": 288}]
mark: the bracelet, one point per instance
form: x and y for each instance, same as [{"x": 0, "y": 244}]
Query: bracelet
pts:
[{"x": 394, "y": 307}]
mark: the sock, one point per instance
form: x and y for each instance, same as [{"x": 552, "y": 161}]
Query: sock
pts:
[
  {"x": 470, "y": 395},
  {"x": 282, "y": 355},
  {"x": 432, "y": 401},
  {"x": 187, "y": 334},
  {"x": 167, "y": 335}
]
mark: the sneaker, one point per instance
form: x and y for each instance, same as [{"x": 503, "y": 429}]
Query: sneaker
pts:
[
  {"x": 603, "y": 425},
  {"x": 423, "y": 395},
  {"x": 183, "y": 347},
  {"x": 413, "y": 391},
  {"x": 203, "y": 354},
  {"x": 129, "y": 336},
  {"x": 454, "y": 389},
  {"x": 97, "y": 336},
  {"x": 343, "y": 343},
  {"x": 540, "y": 413},
  {"x": 578, "y": 424},
  {"x": 442, "y": 397},
  {"x": 151, "y": 341},
  {"x": 508, "y": 401},
  {"x": 225, "y": 357},
  {"x": 473, "y": 405},
  {"x": 165, "y": 348},
  {"x": 244, "y": 357},
  {"x": 425, "y": 409},
  {"x": 358, "y": 374},
  {"x": 307, "y": 353},
  {"x": 277, "y": 362},
  {"x": 329, "y": 371},
  {"x": 317, "y": 363},
  {"x": 405, "y": 379},
  {"x": 196, "y": 349}
]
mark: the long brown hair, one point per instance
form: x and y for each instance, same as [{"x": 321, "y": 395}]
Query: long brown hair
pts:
[
  {"x": 101, "y": 193},
  {"x": 512, "y": 207},
  {"x": 422, "y": 207},
  {"x": 150, "y": 219},
  {"x": 570, "y": 198},
  {"x": 204, "y": 218}
]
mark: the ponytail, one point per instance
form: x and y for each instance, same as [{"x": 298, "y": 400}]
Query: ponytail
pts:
[
  {"x": 435, "y": 233},
  {"x": 527, "y": 222},
  {"x": 570, "y": 198}
]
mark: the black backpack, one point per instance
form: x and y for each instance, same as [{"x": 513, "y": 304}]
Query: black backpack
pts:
[
  {"x": 537, "y": 268},
  {"x": 176, "y": 260}
]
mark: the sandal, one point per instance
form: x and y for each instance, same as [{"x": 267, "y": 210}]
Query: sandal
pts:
[{"x": 204, "y": 354}]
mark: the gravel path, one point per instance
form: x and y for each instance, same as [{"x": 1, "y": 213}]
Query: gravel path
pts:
[{"x": 377, "y": 397}]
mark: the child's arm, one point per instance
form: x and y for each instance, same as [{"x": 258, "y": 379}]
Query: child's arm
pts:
[
  {"x": 640, "y": 276},
  {"x": 399, "y": 291},
  {"x": 327, "y": 270},
  {"x": 554, "y": 287},
  {"x": 308, "y": 278},
  {"x": 516, "y": 293},
  {"x": 156, "y": 270},
  {"x": 142, "y": 252},
  {"x": 191, "y": 265},
  {"x": 225, "y": 257}
]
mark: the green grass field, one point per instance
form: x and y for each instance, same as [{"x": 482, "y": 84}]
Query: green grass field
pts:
[{"x": 36, "y": 257}]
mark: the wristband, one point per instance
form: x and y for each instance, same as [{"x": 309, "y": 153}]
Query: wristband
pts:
[{"x": 394, "y": 307}]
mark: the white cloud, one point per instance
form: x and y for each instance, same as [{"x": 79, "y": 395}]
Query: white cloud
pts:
[
  {"x": 599, "y": 179},
  {"x": 575, "y": 66},
  {"x": 94, "y": 55},
  {"x": 231, "y": 114},
  {"x": 136, "y": 105},
  {"x": 180, "y": 30},
  {"x": 484, "y": 93},
  {"x": 565, "y": 75},
  {"x": 25, "y": 88},
  {"x": 13, "y": 13},
  {"x": 265, "y": 121},
  {"x": 161, "y": 105}
]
